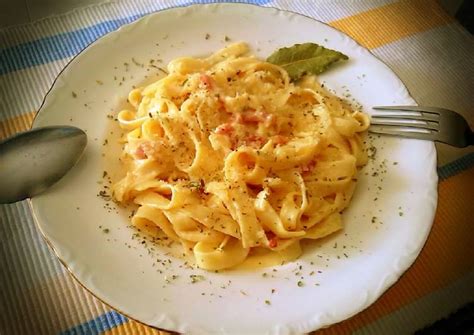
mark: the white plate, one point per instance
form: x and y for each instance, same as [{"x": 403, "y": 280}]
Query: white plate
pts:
[{"x": 352, "y": 269}]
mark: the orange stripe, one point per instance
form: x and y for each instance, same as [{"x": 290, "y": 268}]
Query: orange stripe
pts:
[
  {"x": 14, "y": 125},
  {"x": 392, "y": 22},
  {"x": 447, "y": 255}
]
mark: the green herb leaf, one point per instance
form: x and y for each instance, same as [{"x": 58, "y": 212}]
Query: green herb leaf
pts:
[{"x": 301, "y": 59}]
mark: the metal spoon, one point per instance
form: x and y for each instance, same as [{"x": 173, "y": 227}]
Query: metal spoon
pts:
[{"x": 32, "y": 161}]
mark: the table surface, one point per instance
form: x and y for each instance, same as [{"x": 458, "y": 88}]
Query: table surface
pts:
[
  {"x": 418, "y": 39},
  {"x": 14, "y": 12}
]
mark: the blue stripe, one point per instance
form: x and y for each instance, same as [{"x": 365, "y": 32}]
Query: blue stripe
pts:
[
  {"x": 455, "y": 167},
  {"x": 98, "y": 325},
  {"x": 51, "y": 48},
  {"x": 55, "y": 47}
]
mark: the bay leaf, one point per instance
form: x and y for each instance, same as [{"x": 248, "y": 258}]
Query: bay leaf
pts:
[{"x": 306, "y": 58}]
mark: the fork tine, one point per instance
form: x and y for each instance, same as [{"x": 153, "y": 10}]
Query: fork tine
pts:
[
  {"x": 407, "y": 117},
  {"x": 408, "y": 109},
  {"x": 376, "y": 121},
  {"x": 411, "y": 134},
  {"x": 440, "y": 124}
]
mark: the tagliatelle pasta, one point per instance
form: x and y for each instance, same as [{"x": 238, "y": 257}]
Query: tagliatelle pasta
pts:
[{"x": 229, "y": 158}]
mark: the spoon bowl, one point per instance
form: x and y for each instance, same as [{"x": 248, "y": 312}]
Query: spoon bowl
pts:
[{"x": 32, "y": 161}]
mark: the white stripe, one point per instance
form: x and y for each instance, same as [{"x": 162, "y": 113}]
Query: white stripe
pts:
[
  {"x": 23, "y": 90},
  {"x": 427, "y": 65},
  {"x": 330, "y": 10}
]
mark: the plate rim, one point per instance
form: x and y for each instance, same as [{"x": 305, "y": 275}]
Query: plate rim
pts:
[{"x": 311, "y": 325}]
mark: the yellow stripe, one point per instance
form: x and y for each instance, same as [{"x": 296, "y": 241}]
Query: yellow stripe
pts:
[
  {"x": 16, "y": 124},
  {"x": 445, "y": 257},
  {"x": 392, "y": 22}
]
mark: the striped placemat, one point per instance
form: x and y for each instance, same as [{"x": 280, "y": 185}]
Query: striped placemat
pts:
[{"x": 429, "y": 51}]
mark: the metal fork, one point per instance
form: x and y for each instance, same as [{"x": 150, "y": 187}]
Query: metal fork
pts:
[{"x": 426, "y": 123}]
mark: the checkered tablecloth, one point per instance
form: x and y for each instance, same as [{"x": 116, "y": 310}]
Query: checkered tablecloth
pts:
[{"x": 429, "y": 51}]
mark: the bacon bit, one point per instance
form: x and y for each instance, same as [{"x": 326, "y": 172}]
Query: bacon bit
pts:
[
  {"x": 140, "y": 153},
  {"x": 272, "y": 239},
  {"x": 280, "y": 139},
  {"x": 224, "y": 129},
  {"x": 206, "y": 81},
  {"x": 273, "y": 243},
  {"x": 252, "y": 116},
  {"x": 255, "y": 141},
  {"x": 239, "y": 73},
  {"x": 147, "y": 149},
  {"x": 308, "y": 167},
  {"x": 269, "y": 120},
  {"x": 236, "y": 118},
  {"x": 221, "y": 105}
]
